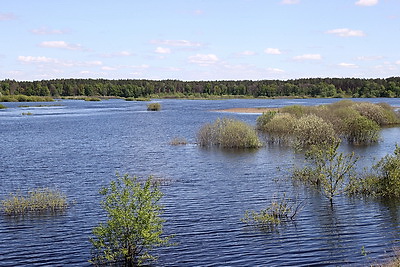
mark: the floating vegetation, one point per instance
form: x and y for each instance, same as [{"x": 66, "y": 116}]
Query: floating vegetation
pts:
[
  {"x": 35, "y": 201},
  {"x": 27, "y": 113},
  {"x": 92, "y": 99},
  {"x": 2, "y": 106},
  {"x": 137, "y": 99},
  {"x": 154, "y": 106}
]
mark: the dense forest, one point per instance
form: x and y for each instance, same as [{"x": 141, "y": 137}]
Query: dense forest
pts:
[{"x": 311, "y": 87}]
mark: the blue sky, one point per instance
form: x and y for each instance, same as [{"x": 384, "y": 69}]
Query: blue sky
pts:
[{"x": 199, "y": 39}]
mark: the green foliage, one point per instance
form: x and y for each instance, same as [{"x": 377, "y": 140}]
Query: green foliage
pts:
[
  {"x": 154, "y": 106},
  {"x": 25, "y": 98},
  {"x": 355, "y": 122},
  {"x": 137, "y": 99},
  {"x": 228, "y": 133},
  {"x": 361, "y": 130},
  {"x": 2, "y": 106},
  {"x": 279, "y": 211},
  {"x": 329, "y": 170},
  {"x": 264, "y": 119},
  {"x": 134, "y": 226},
  {"x": 27, "y": 113},
  {"x": 384, "y": 181},
  {"x": 92, "y": 99},
  {"x": 312, "y": 130},
  {"x": 37, "y": 200}
]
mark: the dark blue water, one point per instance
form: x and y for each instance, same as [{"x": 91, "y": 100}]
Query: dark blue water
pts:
[{"x": 79, "y": 146}]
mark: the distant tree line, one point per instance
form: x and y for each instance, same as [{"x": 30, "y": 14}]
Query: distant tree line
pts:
[{"x": 312, "y": 87}]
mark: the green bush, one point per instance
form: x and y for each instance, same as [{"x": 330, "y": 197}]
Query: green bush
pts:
[
  {"x": 92, "y": 99},
  {"x": 2, "y": 106},
  {"x": 312, "y": 130},
  {"x": 154, "y": 107},
  {"x": 280, "y": 128},
  {"x": 36, "y": 200},
  {"x": 296, "y": 110},
  {"x": 134, "y": 225},
  {"x": 373, "y": 112},
  {"x": 361, "y": 130},
  {"x": 228, "y": 133},
  {"x": 264, "y": 119}
]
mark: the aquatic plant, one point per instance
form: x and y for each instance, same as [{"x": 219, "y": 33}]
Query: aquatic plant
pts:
[
  {"x": 27, "y": 113},
  {"x": 2, "y": 106},
  {"x": 137, "y": 99},
  {"x": 279, "y": 211},
  {"x": 134, "y": 225},
  {"x": 92, "y": 99},
  {"x": 154, "y": 106},
  {"x": 228, "y": 133},
  {"x": 264, "y": 119},
  {"x": 178, "y": 141},
  {"x": 36, "y": 200},
  {"x": 280, "y": 128},
  {"x": 25, "y": 98}
]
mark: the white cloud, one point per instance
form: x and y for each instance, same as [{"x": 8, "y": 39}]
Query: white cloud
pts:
[
  {"x": 163, "y": 50},
  {"x": 7, "y": 16},
  {"x": 272, "y": 51},
  {"x": 275, "y": 70},
  {"x": 348, "y": 65},
  {"x": 108, "y": 68},
  {"x": 247, "y": 53},
  {"x": 178, "y": 43},
  {"x": 61, "y": 44},
  {"x": 344, "y": 32},
  {"x": 45, "y": 31},
  {"x": 366, "y": 2},
  {"x": 308, "y": 57},
  {"x": 55, "y": 61},
  {"x": 369, "y": 58},
  {"x": 290, "y": 2},
  {"x": 204, "y": 60}
]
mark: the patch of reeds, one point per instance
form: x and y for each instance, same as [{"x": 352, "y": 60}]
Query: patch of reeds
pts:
[
  {"x": 2, "y": 106},
  {"x": 228, "y": 133},
  {"x": 35, "y": 201},
  {"x": 154, "y": 106},
  {"x": 354, "y": 122},
  {"x": 27, "y": 113},
  {"x": 178, "y": 141},
  {"x": 25, "y": 98}
]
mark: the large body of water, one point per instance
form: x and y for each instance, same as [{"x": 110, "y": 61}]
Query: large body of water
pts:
[{"x": 79, "y": 146}]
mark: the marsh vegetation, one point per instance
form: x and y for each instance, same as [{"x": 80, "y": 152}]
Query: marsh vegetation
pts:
[{"x": 154, "y": 106}]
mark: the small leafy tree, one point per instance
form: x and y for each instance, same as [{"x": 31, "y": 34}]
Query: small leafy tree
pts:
[
  {"x": 134, "y": 226},
  {"x": 329, "y": 169}
]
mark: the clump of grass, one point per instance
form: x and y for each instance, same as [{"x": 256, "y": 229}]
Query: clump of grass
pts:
[
  {"x": 35, "y": 201},
  {"x": 92, "y": 99},
  {"x": 228, "y": 133},
  {"x": 279, "y": 211},
  {"x": 154, "y": 106},
  {"x": 27, "y": 113},
  {"x": 2, "y": 106},
  {"x": 177, "y": 141}
]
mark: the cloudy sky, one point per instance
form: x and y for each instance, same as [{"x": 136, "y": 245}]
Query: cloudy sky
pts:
[{"x": 199, "y": 39}]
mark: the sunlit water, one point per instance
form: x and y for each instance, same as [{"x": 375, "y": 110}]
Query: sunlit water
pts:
[{"x": 79, "y": 146}]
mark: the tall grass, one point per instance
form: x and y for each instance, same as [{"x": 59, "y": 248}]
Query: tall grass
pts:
[
  {"x": 36, "y": 200},
  {"x": 25, "y": 98},
  {"x": 228, "y": 133}
]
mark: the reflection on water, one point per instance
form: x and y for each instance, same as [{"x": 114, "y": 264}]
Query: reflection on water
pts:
[{"x": 79, "y": 146}]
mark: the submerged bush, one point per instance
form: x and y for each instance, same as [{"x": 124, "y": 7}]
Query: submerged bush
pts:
[
  {"x": 361, "y": 130},
  {"x": 178, "y": 141},
  {"x": 154, "y": 107},
  {"x": 384, "y": 181},
  {"x": 312, "y": 130},
  {"x": 2, "y": 106},
  {"x": 264, "y": 119},
  {"x": 37, "y": 200},
  {"x": 92, "y": 99},
  {"x": 279, "y": 211},
  {"x": 280, "y": 128},
  {"x": 228, "y": 133}
]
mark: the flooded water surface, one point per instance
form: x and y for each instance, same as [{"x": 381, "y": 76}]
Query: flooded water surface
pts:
[{"x": 79, "y": 146}]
